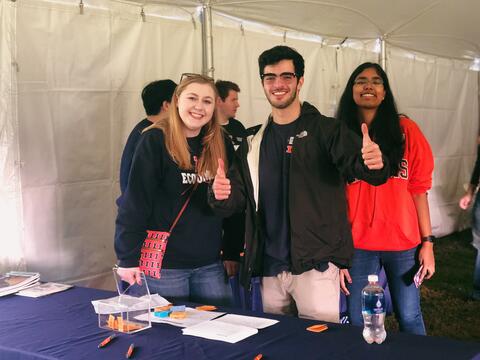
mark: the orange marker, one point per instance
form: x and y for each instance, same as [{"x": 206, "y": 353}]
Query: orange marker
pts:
[
  {"x": 258, "y": 357},
  {"x": 129, "y": 353},
  {"x": 106, "y": 341}
]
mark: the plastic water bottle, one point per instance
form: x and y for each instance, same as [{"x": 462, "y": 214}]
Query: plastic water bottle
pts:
[{"x": 373, "y": 311}]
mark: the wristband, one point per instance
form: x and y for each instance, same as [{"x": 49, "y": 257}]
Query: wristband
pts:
[{"x": 429, "y": 238}]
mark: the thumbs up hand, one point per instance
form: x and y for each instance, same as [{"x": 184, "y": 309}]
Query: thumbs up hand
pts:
[
  {"x": 371, "y": 154},
  {"x": 221, "y": 184}
]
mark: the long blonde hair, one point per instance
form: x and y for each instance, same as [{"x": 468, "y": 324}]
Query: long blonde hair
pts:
[{"x": 213, "y": 145}]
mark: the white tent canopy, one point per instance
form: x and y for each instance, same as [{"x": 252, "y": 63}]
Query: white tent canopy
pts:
[
  {"x": 70, "y": 85},
  {"x": 440, "y": 27}
]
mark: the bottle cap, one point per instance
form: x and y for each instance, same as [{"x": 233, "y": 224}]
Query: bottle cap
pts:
[{"x": 372, "y": 278}]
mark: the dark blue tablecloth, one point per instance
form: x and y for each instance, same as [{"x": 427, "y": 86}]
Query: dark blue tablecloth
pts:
[{"x": 65, "y": 326}]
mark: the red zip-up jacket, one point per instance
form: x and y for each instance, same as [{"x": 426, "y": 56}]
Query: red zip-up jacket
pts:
[{"x": 384, "y": 217}]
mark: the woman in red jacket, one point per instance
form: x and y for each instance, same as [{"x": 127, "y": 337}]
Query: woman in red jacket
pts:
[{"x": 390, "y": 223}]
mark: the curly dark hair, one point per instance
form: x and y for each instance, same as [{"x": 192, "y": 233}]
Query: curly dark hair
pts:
[{"x": 278, "y": 53}]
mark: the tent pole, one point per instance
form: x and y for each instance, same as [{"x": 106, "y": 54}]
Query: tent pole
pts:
[
  {"x": 383, "y": 53},
  {"x": 207, "y": 39}
]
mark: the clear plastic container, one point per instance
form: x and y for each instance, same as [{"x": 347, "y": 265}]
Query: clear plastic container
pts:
[{"x": 129, "y": 312}]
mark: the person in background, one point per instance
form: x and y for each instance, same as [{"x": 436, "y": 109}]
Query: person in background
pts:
[
  {"x": 390, "y": 223},
  {"x": 156, "y": 98},
  {"x": 233, "y": 226},
  {"x": 175, "y": 156},
  {"x": 227, "y": 105},
  {"x": 288, "y": 179},
  {"x": 464, "y": 203}
]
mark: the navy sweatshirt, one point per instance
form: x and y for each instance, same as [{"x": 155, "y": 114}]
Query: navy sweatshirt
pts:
[
  {"x": 129, "y": 150},
  {"x": 152, "y": 200}
]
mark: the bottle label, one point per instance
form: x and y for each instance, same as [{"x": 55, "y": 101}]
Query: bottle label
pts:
[
  {"x": 373, "y": 303},
  {"x": 378, "y": 307}
]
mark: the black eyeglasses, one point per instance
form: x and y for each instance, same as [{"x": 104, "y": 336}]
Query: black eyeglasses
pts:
[
  {"x": 270, "y": 78},
  {"x": 193, "y": 75}
]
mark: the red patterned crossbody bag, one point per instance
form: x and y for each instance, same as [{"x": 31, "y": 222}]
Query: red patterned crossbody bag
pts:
[{"x": 155, "y": 245}]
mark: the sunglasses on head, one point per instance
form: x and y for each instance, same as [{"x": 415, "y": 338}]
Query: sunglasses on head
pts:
[{"x": 197, "y": 76}]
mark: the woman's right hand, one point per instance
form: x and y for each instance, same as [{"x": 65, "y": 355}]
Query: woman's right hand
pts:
[
  {"x": 130, "y": 275},
  {"x": 345, "y": 275},
  {"x": 221, "y": 184}
]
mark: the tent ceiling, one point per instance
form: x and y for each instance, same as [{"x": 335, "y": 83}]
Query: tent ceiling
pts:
[{"x": 441, "y": 27}]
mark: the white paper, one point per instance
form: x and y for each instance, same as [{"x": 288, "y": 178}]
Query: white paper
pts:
[
  {"x": 193, "y": 317},
  {"x": 250, "y": 321},
  {"x": 43, "y": 289},
  {"x": 219, "y": 330},
  {"x": 15, "y": 281},
  {"x": 119, "y": 303}
]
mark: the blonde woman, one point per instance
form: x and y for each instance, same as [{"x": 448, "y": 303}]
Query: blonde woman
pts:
[{"x": 173, "y": 155}]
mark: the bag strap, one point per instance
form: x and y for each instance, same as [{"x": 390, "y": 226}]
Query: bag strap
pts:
[{"x": 185, "y": 204}]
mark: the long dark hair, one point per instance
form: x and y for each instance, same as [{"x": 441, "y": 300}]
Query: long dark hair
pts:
[{"x": 385, "y": 128}]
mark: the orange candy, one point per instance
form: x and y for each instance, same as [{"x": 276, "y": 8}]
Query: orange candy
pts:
[
  {"x": 163, "y": 308},
  {"x": 178, "y": 315},
  {"x": 317, "y": 328},
  {"x": 121, "y": 325},
  {"x": 206, "y": 308}
]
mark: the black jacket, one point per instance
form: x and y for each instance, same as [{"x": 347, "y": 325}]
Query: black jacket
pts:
[{"x": 324, "y": 153}]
